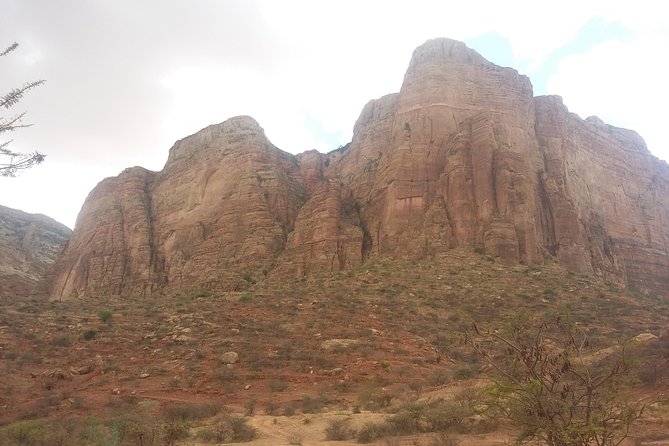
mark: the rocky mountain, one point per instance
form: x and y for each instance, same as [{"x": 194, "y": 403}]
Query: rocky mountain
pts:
[
  {"x": 463, "y": 155},
  {"x": 29, "y": 244}
]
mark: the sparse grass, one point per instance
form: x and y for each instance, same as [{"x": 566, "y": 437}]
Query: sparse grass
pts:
[
  {"x": 63, "y": 340},
  {"x": 245, "y": 298},
  {"x": 399, "y": 309}
]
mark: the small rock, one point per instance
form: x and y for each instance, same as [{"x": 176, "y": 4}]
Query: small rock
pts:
[
  {"x": 339, "y": 344},
  {"x": 116, "y": 391},
  {"x": 182, "y": 338},
  {"x": 230, "y": 358},
  {"x": 644, "y": 338},
  {"x": 144, "y": 375},
  {"x": 247, "y": 387}
]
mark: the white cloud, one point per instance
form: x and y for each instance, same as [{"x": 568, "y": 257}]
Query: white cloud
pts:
[
  {"x": 624, "y": 83},
  {"x": 126, "y": 79}
]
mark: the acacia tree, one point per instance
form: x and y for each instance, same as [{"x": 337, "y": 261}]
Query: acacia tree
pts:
[
  {"x": 11, "y": 162},
  {"x": 554, "y": 388}
]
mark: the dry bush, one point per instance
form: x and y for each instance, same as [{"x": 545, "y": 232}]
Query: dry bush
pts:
[
  {"x": 339, "y": 430},
  {"x": 228, "y": 429}
]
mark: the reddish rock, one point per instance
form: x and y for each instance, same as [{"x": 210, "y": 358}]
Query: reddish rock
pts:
[{"x": 463, "y": 155}]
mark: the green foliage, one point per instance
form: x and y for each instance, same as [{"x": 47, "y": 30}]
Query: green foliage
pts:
[
  {"x": 245, "y": 298},
  {"x": 547, "y": 385},
  {"x": 105, "y": 315},
  {"x": 247, "y": 276},
  {"x": 23, "y": 433},
  {"x": 63, "y": 340},
  {"x": 88, "y": 335},
  {"x": 455, "y": 414}
]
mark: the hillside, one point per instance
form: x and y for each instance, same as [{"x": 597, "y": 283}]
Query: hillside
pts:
[{"x": 326, "y": 346}]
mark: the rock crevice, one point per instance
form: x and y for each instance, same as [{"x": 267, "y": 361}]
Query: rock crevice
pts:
[{"x": 463, "y": 155}]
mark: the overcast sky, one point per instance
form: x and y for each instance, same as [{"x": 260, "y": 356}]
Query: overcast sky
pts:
[{"x": 127, "y": 78}]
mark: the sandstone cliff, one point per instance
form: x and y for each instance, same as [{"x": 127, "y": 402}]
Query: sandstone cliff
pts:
[
  {"x": 463, "y": 155},
  {"x": 29, "y": 243}
]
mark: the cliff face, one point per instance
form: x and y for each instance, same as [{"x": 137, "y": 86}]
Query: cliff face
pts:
[
  {"x": 606, "y": 199},
  {"x": 220, "y": 210},
  {"x": 29, "y": 243},
  {"x": 462, "y": 155}
]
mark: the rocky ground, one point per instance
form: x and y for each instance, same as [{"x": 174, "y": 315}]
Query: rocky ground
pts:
[{"x": 292, "y": 357}]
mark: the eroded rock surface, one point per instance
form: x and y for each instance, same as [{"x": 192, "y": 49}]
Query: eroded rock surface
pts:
[
  {"x": 29, "y": 244},
  {"x": 463, "y": 155}
]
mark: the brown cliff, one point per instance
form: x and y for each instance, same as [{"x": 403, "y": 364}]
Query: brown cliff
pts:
[
  {"x": 462, "y": 155},
  {"x": 29, "y": 244}
]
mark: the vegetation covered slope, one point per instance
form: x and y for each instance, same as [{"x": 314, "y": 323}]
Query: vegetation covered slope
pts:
[{"x": 370, "y": 339}]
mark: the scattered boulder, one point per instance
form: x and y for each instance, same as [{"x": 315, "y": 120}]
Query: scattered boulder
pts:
[
  {"x": 230, "y": 358},
  {"x": 644, "y": 338}
]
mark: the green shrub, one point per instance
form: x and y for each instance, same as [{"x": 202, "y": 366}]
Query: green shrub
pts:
[
  {"x": 64, "y": 340},
  {"x": 23, "y": 433},
  {"x": 245, "y": 298},
  {"x": 248, "y": 277},
  {"x": 88, "y": 335},
  {"x": 105, "y": 315}
]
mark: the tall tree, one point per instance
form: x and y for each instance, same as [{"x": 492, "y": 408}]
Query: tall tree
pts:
[{"x": 12, "y": 162}]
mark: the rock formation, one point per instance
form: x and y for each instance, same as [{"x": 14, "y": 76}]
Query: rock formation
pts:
[
  {"x": 464, "y": 154},
  {"x": 29, "y": 244}
]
